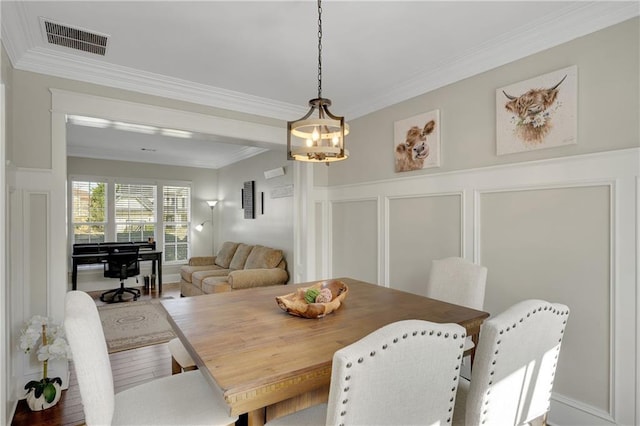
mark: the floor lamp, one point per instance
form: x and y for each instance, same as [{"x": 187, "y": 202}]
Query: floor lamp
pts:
[{"x": 199, "y": 228}]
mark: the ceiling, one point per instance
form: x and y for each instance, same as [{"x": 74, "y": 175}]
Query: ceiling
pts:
[{"x": 261, "y": 57}]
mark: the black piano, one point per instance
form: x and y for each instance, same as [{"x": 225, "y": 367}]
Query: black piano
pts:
[{"x": 93, "y": 253}]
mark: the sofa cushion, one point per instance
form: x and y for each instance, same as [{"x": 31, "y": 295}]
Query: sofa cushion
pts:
[
  {"x": 202, "y": 260},
  {"x": 212, "y": 285},
  {"x": 225, "y": 254},
  {"x": 263, "y": 257},
  {"x": 186, "y": 272},
  {"x": 240, "y": 257},
  {"x": 197, "y": 277}
]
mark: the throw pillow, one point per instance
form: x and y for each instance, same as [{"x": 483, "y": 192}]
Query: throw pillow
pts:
[
  {"x": 263, "y": 257},
  {"x": 225, "y": 254},
  {"x": 240, "y": 257}
]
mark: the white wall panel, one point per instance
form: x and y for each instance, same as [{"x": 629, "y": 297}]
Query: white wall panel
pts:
[
  {"x": 354, "y": 240},
  {"x": 562, "y": 229},
  {"x": 421, "y": 229},
  {"x": 554, "y": 244}
]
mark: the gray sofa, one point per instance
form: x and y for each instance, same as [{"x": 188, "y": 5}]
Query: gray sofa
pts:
[{"x": 236, "y": 266}]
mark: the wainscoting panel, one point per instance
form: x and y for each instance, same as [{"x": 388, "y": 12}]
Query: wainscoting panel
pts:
[
  {"x": 354, "y": 239},
  {"x": 37, "y": 233},
  {"x": 563, "y": 229},
  {"x": 421, "y": 228},
  {"x": 554, "y": 244}
]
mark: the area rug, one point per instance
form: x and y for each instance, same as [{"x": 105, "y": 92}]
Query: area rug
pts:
[{"x": 132, "y": 325}]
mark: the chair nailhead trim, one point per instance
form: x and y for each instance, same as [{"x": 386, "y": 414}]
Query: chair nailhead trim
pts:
[
  {"x": 538, "y": 309},
  {"x": 405, "y": 336}
]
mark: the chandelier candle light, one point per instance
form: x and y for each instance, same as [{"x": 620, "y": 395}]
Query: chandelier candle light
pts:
[{"x": 317, "y": 137}]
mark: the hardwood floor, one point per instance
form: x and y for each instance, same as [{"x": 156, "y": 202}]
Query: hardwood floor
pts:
[{"x": 129, "y": 369}]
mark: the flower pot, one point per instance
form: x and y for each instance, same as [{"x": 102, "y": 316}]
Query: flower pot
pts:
[{"x": 40, "y": 403}]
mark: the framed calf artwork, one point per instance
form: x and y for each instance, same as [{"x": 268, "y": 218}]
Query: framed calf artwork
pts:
[
  {"x": 416, "y": 142},
  {"x": 537, "y": 113}
]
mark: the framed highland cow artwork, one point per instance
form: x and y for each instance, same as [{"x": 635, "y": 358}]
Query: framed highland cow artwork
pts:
[
  {"x": 416, "y": 142},
  {"x": 538, "y": 113}
]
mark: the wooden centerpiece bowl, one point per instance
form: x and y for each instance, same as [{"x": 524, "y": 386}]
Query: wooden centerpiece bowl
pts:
[{"x": 295, "y": 303}]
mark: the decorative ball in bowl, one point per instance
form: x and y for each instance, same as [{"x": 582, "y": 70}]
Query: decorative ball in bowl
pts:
[{"x": 314, "y": 301}]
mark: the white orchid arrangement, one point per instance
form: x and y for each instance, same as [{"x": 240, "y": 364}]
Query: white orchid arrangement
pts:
[{"x": 49, "y": 336}]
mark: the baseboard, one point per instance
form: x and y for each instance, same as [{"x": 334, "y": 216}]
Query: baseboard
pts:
[{"x": 565, "y": 411}]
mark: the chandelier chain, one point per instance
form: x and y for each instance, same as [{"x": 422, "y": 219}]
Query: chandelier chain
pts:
[{"x": 319, "y": 49}]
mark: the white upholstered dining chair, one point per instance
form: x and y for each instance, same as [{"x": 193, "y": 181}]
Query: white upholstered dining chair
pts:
[
  {"x": 458, "y": 281},
  {"x": 515, "y": 365},
  {"x": 403, "y": 373},
  {"x": 185, "y": 399}
]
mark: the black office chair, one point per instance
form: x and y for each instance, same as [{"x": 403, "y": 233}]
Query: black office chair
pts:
[{"x": 122, "y": 262}]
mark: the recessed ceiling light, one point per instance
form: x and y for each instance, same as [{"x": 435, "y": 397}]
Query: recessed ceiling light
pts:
[
  {"x": 176, "y": 133},
  {"x": 130, "y": 127},
  {"x": 79, "y": 120}
]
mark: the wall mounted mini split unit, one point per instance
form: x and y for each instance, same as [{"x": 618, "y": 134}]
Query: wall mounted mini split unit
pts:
[{"x": 269, "y": 174}]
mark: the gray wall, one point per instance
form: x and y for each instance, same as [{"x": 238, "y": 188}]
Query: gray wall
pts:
[
  {"x": 274, "y": 228},
  {"x": 30, "y": 138},
  {"x": 608, "y": 107},
  {"x": 556, "y": 224}
]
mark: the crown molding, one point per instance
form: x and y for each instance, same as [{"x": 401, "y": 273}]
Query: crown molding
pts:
[
  {"x": 63, "y": 65},
  {"x": 576, "y": 20}
]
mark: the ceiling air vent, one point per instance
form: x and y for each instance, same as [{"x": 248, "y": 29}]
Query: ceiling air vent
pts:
[{"x": 75, "y": 38}]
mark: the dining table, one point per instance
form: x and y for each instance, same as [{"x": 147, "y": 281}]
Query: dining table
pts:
[{"x": 268, "y": 363}]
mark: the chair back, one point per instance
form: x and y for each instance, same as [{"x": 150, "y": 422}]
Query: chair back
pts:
[
  {"x": 122, "y": 262},
  {"x": 515, "y": 364},
  {"x": 455, "y": 280},
  {"x": 85, "y": 336},
  {"x": 403, "y": 373}
]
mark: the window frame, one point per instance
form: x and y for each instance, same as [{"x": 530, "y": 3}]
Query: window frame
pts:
[{"x": 111, "y": 228}]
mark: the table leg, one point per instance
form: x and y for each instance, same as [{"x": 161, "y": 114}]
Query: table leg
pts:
[
  {"x": 74, "y": 276},
  {"x": 474, "y": 339},
  {"x": 160, "y": 274},
  {"x": 256, "y": 417}
]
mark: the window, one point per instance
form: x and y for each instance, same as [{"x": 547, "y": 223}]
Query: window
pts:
[
  {"x": 89, "y": 211},
  {"x": 135, "y": 207},
  {"x": 107, "y": 209},
  {"x": 176, "y": 212}
]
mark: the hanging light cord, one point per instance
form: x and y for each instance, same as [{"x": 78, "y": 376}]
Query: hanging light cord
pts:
[{"x": 319, "y": 49}]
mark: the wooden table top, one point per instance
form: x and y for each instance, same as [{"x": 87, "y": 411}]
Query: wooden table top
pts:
[{"x": 258, "y": 355}]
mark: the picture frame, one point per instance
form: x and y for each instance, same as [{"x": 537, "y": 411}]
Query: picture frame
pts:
[
  {"x": 416, "y": 142},
  {"x": 248, "y": 199},
  {"x": 537, "y": 113}
]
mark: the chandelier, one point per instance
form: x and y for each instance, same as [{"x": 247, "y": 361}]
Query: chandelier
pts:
[{"x": 317, "y": 137}]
